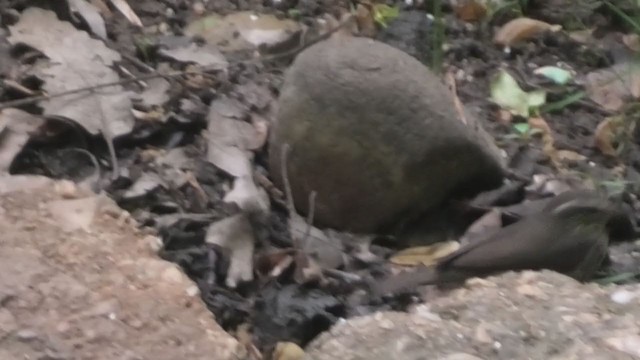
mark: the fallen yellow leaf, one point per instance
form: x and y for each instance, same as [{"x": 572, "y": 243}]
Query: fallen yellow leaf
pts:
[
  {"x": 425, "y": 255},
  {"x": 470, "y": 10},
  {"x": 521, "y": 29}
]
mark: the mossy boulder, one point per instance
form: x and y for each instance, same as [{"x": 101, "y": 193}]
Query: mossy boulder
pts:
[{"x": 376, "y": 135}]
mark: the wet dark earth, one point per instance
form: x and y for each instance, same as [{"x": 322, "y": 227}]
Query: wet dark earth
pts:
[{"x": 165, "y": 180}]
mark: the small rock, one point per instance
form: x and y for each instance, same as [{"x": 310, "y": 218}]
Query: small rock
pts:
[
  {"x": 193, "y": 291},
  {"x": 622, "y": 297},
  {"x": 172, "y": 274},
  {"x": 531, "y": 290},
  {"x": 155, "y": 243},
  {"x": 135, "y": 323},
  {"x": 66, "y": 189},
  {"x": 63, "y": 327},
  {"x": 198, "y": 8},
  {"x": 26, "y": 335},
  {"x": 370, "y": 125}
]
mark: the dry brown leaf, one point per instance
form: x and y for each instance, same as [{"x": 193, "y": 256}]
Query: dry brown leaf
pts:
[
  {"x": 604, "y": 137},
  {"x": 541, "y": 124},
  {"x": 632, "y": 41},
  {"x": 287, "y": 351},
  {"x": 570, "y": 156},
  {"x": 521, "y": 29},
  {"x": 582, "y": 36},
  {"x": 365, "y": 21},
  {"x": 548, "y": 146},
  {"x": 612, "y": 87},
  {"x": 470, "y": 11},
  {"x": 425, "y": 255}
]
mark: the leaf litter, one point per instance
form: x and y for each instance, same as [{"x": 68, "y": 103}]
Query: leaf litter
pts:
[{"x": 75, "y": 61}]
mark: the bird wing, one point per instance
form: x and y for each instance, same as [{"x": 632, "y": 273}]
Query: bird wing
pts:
[{"x": 533, "y": 243}]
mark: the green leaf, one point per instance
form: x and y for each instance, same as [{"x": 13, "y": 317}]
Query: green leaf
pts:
[
  {"x": 522, "y": 128},
  {"x": 383, "y": 13},
  {"x": 506, "y": 92},
  {"x": 294, "y": 13},
  {"x": 555, "y": 74}
]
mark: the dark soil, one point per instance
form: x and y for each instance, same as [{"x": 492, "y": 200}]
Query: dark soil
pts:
[{"x": 282, "y": 310}]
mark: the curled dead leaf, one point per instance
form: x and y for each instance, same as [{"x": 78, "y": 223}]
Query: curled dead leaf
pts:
[
  {"x": 632, "y": 41},
  {"x": 425, "y": 255},
  {"x": 540, "y": 124},
  {"x": 612, "y": 87},
  {"x": 470, "y": 10},
  {"x": 604, "y": 137},
  {"x": 570, "y": 156},
  {"x": 521, "y": 29}
]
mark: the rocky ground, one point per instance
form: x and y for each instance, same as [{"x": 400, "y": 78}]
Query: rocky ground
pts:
[
  {"x": 514, "y": 316},
  {"x": 87, "y": 284}
]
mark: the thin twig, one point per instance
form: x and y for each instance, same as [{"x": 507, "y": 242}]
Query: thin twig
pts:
[
  {"x": 284, "y": 153},
  {"x": 312, "y": 210},
  {"x": 288, "y": 194},
  {"x": 34, "y": 99}
]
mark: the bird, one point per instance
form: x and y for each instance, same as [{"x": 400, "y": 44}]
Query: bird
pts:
[{"x": 568, "y": 236}]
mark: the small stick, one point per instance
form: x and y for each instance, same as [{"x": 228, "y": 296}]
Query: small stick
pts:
[
  {"x": 288, "y": 194},
  {"x": 34, "y": 99},
  {"x": 312, "y": 210}
]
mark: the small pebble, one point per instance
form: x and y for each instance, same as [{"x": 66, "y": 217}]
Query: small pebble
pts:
[
  {"x": 155, "y": 243},
  {"x": 198, "y": 8},
  {"x": 622, "y": 297},
  {"x": 67, "y": 189},
  {"x": 172, "y": 274},
  {"x": 193, "y": 291},
  {"x": 26, "y": 335}
]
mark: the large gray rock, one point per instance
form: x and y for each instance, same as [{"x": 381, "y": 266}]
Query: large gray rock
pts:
[
  {"x": 530, "y": 315},
  {"x": 376, "y": 135}
]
